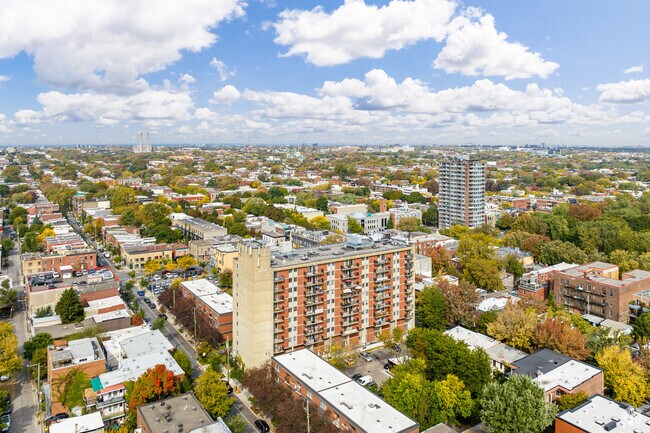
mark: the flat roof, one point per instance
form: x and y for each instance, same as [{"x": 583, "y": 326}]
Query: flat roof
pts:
[
  {"x": 333, "y": 252},
  {"x": 166, "y": 415},
  {"x": 145, "y": 343},
  {"x": 201, "y": 287},
  {"x": 359, "y": 406},
  {"x": 568, "y": 375},
  {"x": 593, "y": 415},
  {"x": 79, "y": 424},
  {"x": 471, "y": 338},
  {"x": 311, "y": 369},
  {"x": 221, "y": 303},
  {"x": 132, "y": 368},
  {"x": 544, "y": 361},
  {"x": 111, "y": 301},
  {"x": 365, "y": 410}
]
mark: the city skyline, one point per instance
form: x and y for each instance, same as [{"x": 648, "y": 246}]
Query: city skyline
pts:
[{"x": 348, "y": 72}]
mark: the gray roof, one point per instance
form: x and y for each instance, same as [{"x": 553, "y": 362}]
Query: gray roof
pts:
[
  {"x": 543, "y": 361},
  {"x": 183, "y": 409}
]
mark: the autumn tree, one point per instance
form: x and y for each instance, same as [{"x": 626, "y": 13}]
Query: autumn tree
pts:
[
  {"x": 484, "y": 273},
  {"x": 623, "y": 377},
  {"x": 10, "y": 361},
  {"x": 569, "y": 401},
  {"x": 320, "y": 223},
  {"x": 185, "y": 262},
  {"x": 460, "y": 301},
  {"x": 561, "y": 337},
  {"x": 515, "y": 325},
  {"x": 554, "y": 252},
  {"x": 516, "y": 406},
  {"x": 212, "y": 392},
  {"x": 152, "y": 266},
  {"x": 409, "y": 224},
  {"x": 354, "y": 226},
  {"x": 156, "y": 383}
]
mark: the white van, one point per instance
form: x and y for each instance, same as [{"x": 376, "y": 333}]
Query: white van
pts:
[{"x": 364, "y": 380}]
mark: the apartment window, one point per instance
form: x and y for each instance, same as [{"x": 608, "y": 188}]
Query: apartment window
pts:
[
  {"x": 309, "y": 395},
  {"x": 322, "y": 405},
  {"x": 611, "y": 293}
]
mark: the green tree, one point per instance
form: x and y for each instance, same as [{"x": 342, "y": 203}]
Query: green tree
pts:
[
  {"x": 430, "y": 216},
  {"x": 212, "y": 393},
  {"x": 69, "y": 307},
  {"x": 513, "y": 265},
  {"x": 354, "y": 226},
  {"x": 225, "y": 279},
  {"x": 569, "y": 401},
  {"x": 184, "y": 362},
  {"x": 641, "y": 327},
  {"x": 430, "y": 311},
  {"x": 554, "y": 252},
  {"x": 516, "y": 406},
  {"x": 159, "y": 323},
  {"x": 320, "y": 223},
  {"x": 236, "y": 423},
  {"x": 38, "y": 341},
  {"x": 451, "y": 400},
  {"x": 322, "y": 204},
  {"x": 8, "y": 296},
  {"x": 484, "y": 273},
  {"x": 624, "y": 377}
]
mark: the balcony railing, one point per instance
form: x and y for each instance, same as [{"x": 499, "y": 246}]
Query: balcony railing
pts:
[
  {"x": 278, "y": 279},
  {"x": 381, "y": 288},
  {"x": 278, "y": 309}
]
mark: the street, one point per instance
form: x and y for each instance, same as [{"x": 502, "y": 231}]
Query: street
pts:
[
  {"x": 21, "y": 390},
  {"x": 169, "y": 330}
]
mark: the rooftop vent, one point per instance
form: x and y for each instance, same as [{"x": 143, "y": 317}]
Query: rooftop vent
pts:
[
  {"x": 610, "y": 426},
  {"x": 346, "y": 404}
]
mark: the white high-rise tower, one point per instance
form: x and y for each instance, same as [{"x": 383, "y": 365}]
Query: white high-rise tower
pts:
[{"x": 143, "y": 147}]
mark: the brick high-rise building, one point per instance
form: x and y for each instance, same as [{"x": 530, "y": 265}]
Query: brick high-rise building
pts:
[
  {"x": 313, "y": 297},
  {"x": 462, "y": 192}
]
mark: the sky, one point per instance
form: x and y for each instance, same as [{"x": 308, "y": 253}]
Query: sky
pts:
[{"x": 434, "y": 72}]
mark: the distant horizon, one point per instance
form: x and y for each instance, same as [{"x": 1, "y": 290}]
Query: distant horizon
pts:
[{"x": 335, "y": 71}]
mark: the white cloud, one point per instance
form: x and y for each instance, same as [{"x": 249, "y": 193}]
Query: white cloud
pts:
[
  {"x": 187, "y": 79},
  {"x": 222, "y": 69},
  {"x": 108, "y": 109},
  {"x": 357, "y": 30},
  {"x": 4, "y": 78},
  {"x": 226, "y": 94},
  {"x": 108, "y": 45},
  {"x": 633, "y": 69},
  {"x": 476, "y": 47},
  {"x": 625, "y": 92}
]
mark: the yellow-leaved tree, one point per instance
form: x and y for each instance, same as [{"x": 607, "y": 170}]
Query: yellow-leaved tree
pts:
[
  {"x": 514, "y": 325},
  {"x": 625, "y": 378},
  {"x": 10, "y": 361}
]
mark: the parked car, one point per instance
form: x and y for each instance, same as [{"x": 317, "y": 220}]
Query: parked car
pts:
[
  {"x": 357, "y": 376},
  {"x": 366, "y": 357},
  {"x": 230, "y": 388},
  {"x": 262, "y": 426},
  {"x": 77, "y": 273},
  {"x": 364, "y": 380},
  {"x": 4, "y": 378},
  {"x": 163, "y": 315},
  {"x": 140, "y": 292},
  {"x": 397, "y": 348}
]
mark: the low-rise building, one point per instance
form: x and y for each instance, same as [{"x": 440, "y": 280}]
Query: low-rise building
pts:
[
  {"x": 223, "y": 255},
  {"x": 537, "y": 284},
  {"x": 601, "y": 414},
  {"x": 371, "y": 223},
  {"x": 63, "y": 357},
  {"x": 596, "y": 289},
  {"x": 200, "y": 249},
  {"x": 212, "y": 302},
  {"x": 89, "y": 423},
  {"x": 197, "y": 228},
  {"x": 348, "y": 405},
  {"x": 559, "y": 375},
  {"x": 78, "y": 260},
  {"x": 182, "y": 410},
  {"x": 501, "y": 355},
  {"x": 135, "y": 256}
]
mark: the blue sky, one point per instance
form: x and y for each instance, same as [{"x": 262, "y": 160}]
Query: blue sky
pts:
[{"x": 284, "y": 72}]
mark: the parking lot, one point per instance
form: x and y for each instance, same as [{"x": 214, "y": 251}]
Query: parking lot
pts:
[{"x": 374, "y": 368}]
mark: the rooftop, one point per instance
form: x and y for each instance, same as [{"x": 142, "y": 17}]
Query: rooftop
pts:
[
  {"x": 359, "y": 406},
  {"x": 568, "y": 375},
  {"x": 79, "y": 424},
  {"x": 201, "y": 287},
  {"x": 543, "y": 361},
  {"x": 358, "y": 246},
  {"x": 145, "y": 343},
  {"x": 132, "y": 368},
  {"x": 601, "y": 414},
  {"x": 221, "y": 303},
  {"x": 167, "y": 415}
]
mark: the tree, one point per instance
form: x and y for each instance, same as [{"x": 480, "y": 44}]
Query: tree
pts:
[
  {"x": 484, "y": 273},
  {"x": 569, "y": 401},
  {"x": 8, "y": 296},
  {"x": 443, "y": 355},
  {"x": 430, "y": 216},
  {"x": 159, "y": 323},
  {"x": 354, "y": 226},
  {"x": 623, "y": 377},
  {"x": 225, "y": 279},
  {"x": 554, "y": 252},
  {"x": 515, "y": 325},
  {"x": 185, "y": 262},
  {"x": 513, "y": 265},
  {"x": 320, "y": 223},
  {"x": 516, "y": 406},
  {"x": 409, "y": 224},
  {"x": 156, "y": 383},
  {"x": 10, "y": 361},
  {"x": 460, "y": 302},
  {"x": 475, "y": 246},
  {"x": 236, "y": 423},
  {"x": 322, "y": 204},
  {"x": 212, "y": 392},
  {"x": 625, "y": 260},
  {"x": 430, "y": 311},
  {"x": 69, "y": 307},
  {"x": 38, "y": 341},
  {"x": 152, "y": 266},
  {"x": 70, "y": 387},
  {"x": 561, "y": 337},
  {"x": 184, "y": 362},
  {"x": 451, "y": 400},
  {"x": 440, "y": 260},
  {"x": 641, "y": 327}
]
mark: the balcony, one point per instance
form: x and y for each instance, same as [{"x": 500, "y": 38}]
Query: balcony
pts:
[
  {"x": 278, "y": 319},
  {"x": 278, "y": 340},
  {"x": 350, "y": 302},
  {"x": 278, "y": 279},
  {"x": 310, "y": 341},
  {"x": 314, "y": 292},
  {"x": 313, "y": 321},
  {"x": 410, "y": 299},
  {"x": 382, "y": 296},
  {"x": 381, "y": 313},
  {"x": 315, "y": 282},
  {"x": 381, "y": 261},
  {"x": 382, "y": 270},
  {"x": 381, "y": 279},
  {"x": 313, "y": 331},
  {"x": 350, "y": 322},
  {"x": 313, "y": 273},
  {"x": 278, "y": 290},
  {"x": 278, "y": 348},
  {"x": 278, "y": 309},
  {"x": 278, "y": 330},
  {"x": 350, "y": 331},
  {"x": 310, "y": 302},
  {"x": 381, "y": 288},
  {"x": 109, "y": 402},
  {"x": 349, "y": 267},
  {"x": 313, "y": 312},
  {"x": 277, "y": 301},
  {"x": 349, "y": 312}
]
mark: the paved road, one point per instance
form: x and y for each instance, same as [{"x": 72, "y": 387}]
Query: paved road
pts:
[
  {"x": 23, "y": 393},
  {"x": 170, "y": 331}
]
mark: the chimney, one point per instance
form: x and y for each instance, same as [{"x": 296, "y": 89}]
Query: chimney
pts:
[
  {"x": 383, "y": 206},
  {"x": 140, "y": 138}
]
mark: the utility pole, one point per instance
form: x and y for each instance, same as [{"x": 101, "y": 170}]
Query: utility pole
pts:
[
  {"x": 307, "y": 410},
  {"x": 194, "y": 326}
]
